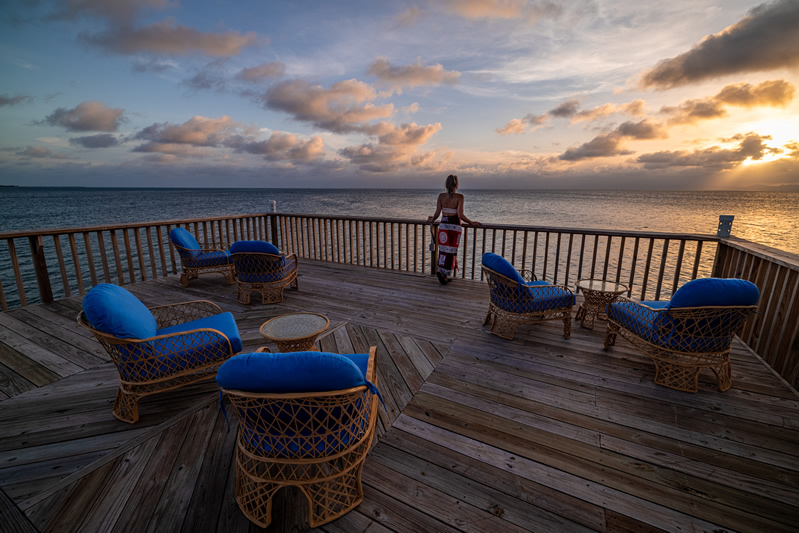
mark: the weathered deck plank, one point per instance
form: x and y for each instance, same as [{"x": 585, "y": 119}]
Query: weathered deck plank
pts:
[{"x": 481, "y": 434}]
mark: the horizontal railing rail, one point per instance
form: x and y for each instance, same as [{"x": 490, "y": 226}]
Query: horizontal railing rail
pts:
[{"x": 42, "y": 265}]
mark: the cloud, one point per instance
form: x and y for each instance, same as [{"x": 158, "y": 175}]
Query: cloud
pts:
[
  {"x": 777, "y": 93},
  {"x": 284, "y": 147},
  {"x": 168, "y": 38},
  {"x": 751, "y": 146},
  {"x": 409, "y": 17},
  {"x": 205, "y": 81},
  {"x": 152, "y": 65},
  {"x": 101, "y": 140},
  {"x": 267, "y": 70},
  {"x": 566, "y": 109},
  {"x": 197, "y": 131},
  {"x": 344, "y": 107},
  {"x": 414, "y": 75},
  {"x": 570, "y": 109},
  {"x": 766, "y": 39},
  {"x": 610, "y": 144},
  {"x": 502, "y": 9},
  {"x": 118, "y": 11},
  {"x": 634, "y": 108},
  {"x": 87, "y": 116},
  {"x": 40, "y": 152},
  {"x": 6, "y": 100},
  {"x": 396, "y": 147}
]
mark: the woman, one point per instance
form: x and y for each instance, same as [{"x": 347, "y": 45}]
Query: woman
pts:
[{"x": 450, "y": 207}]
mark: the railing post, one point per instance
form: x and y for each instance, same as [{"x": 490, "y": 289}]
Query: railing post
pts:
[
  {"x": 725, "y": 225},
  {"x": 273, "y": 223},
  {"x": 723, "y": 231},
  {"x": 40, "y": 267},
  {"x": 433, "y": 249}
]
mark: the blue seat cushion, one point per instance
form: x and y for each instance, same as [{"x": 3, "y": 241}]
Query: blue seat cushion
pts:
[
  {"x": 501, "y": 266},
  {"x": 259, "y": 247},
  {"x": 223, "y": 322},
  {"x": 183, "y": 238},
  {"x": 170, "y": 356},
  {"x": 213, "y": 258},
  {"x": 115, "y": 311},
  {"x": 716, "y": 292},
  {"x": 291, "y": 372},
  {"x": 535, "y": 301}
]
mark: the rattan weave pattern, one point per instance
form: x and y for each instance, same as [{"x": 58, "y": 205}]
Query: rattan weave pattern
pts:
[
  {"x": 265, "y": 274},
  {"x": 161, "y": 363},
  {"x": 315, "y": 441},
  {"x": 682, "y": 341},
  {"x": 294, "y": 332},
  {"x": 193, "y": 265},
  {"x": 532, "y": 306},
  {"x": 597, "y": 295}
]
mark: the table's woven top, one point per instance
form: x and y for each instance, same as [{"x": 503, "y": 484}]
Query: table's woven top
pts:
[
  {"x": 294, "y": 326},
  {"x": 599, "y": 285}
]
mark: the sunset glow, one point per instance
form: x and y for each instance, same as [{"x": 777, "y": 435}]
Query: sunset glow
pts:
[{"x": 520, "y": 94}]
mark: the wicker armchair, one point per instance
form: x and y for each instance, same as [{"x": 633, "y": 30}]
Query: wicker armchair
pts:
[
  {"x": 196, "y": 259},
  {"x": 261, "y": 268},
  {"x": 160, "y": 348},
  {"x": 682, "y": 336},
  {"x": 316, "y": 441},
  {"x": 514, "y": 300}
]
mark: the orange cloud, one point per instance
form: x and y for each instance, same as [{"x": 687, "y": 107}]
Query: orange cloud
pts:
[
  {"x": 766, "y": 39},
  {"x": 751, "y": 146},
  {"x": 414, "y": 75},
  {"x": 778, "y": 93},
  {"x": 87, "y": 116},
  {"x": 395, "y": 148},
  {"x": 168, "y": 38},
  {"x": 343, "y": 107},
  {"x": 503, "y": 9}
]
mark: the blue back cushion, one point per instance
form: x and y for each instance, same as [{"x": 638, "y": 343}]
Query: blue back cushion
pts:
[
  {"x": 290, "y": 372},
  {"x": 715, "y": 292},
  {"x": 115, "y": 311},
  {"x": 500, "y": 265},
  {"x": 183, "y": 238},
  {"x": 259, "y": 247},
  {"x": 223, "y": 322}
]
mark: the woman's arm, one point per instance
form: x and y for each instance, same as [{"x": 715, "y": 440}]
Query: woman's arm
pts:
[
  {"x": 438, "y": 210},
  {"x": 462, "y": 216}
]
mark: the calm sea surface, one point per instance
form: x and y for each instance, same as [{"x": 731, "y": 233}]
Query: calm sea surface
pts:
[{"x": 763, "y": 217}]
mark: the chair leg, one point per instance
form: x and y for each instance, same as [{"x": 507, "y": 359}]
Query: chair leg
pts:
[
  {"x": 185, "y": 278},
  {"x": 255, "y": 498},
  {"x": 334, "y": 498},
  {"x": 504, "y": 328},
  {"x": 126, "y": 406},
  {"x": 244, "y": 295},
  {"x": 723, "y": 375},
  {"x": 230, "y": 276},
  {"x": 610, "y": 335},
  {"x": 567, "y": 327},
  {"x": 295, "y": 284},
  {"x": 488, "y": 317}
]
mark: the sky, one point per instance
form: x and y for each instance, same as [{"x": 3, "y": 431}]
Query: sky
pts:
[{"x": 584, "y": 94}]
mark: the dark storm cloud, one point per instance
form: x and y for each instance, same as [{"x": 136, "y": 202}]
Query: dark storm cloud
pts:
[
  {"x": 766, "y": 39},
  {"x": 101, "y": 140}
]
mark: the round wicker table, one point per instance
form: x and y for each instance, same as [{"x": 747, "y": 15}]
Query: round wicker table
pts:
[
  {"x": 295, "y": 332},
  {"x": 598, "y": 294}
]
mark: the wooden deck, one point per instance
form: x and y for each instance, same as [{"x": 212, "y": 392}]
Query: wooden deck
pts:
[{"x": 481, "y": 434}]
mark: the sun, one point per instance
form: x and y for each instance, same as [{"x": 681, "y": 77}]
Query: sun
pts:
[{"x": 781, "y": 130}]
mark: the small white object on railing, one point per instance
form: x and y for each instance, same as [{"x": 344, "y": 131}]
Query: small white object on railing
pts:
[
  {"x": 274, "y": 206},
  {"x": 725, "y": 225}
]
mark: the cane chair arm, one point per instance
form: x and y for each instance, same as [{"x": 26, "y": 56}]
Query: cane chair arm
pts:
[{"x": 528, "y": 275}]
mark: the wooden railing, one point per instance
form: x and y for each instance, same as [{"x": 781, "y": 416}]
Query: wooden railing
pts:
[{"x": 61, "y": 262}]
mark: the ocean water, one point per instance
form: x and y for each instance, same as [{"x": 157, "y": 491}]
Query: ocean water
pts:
[{"x": 769, "y": 218}]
